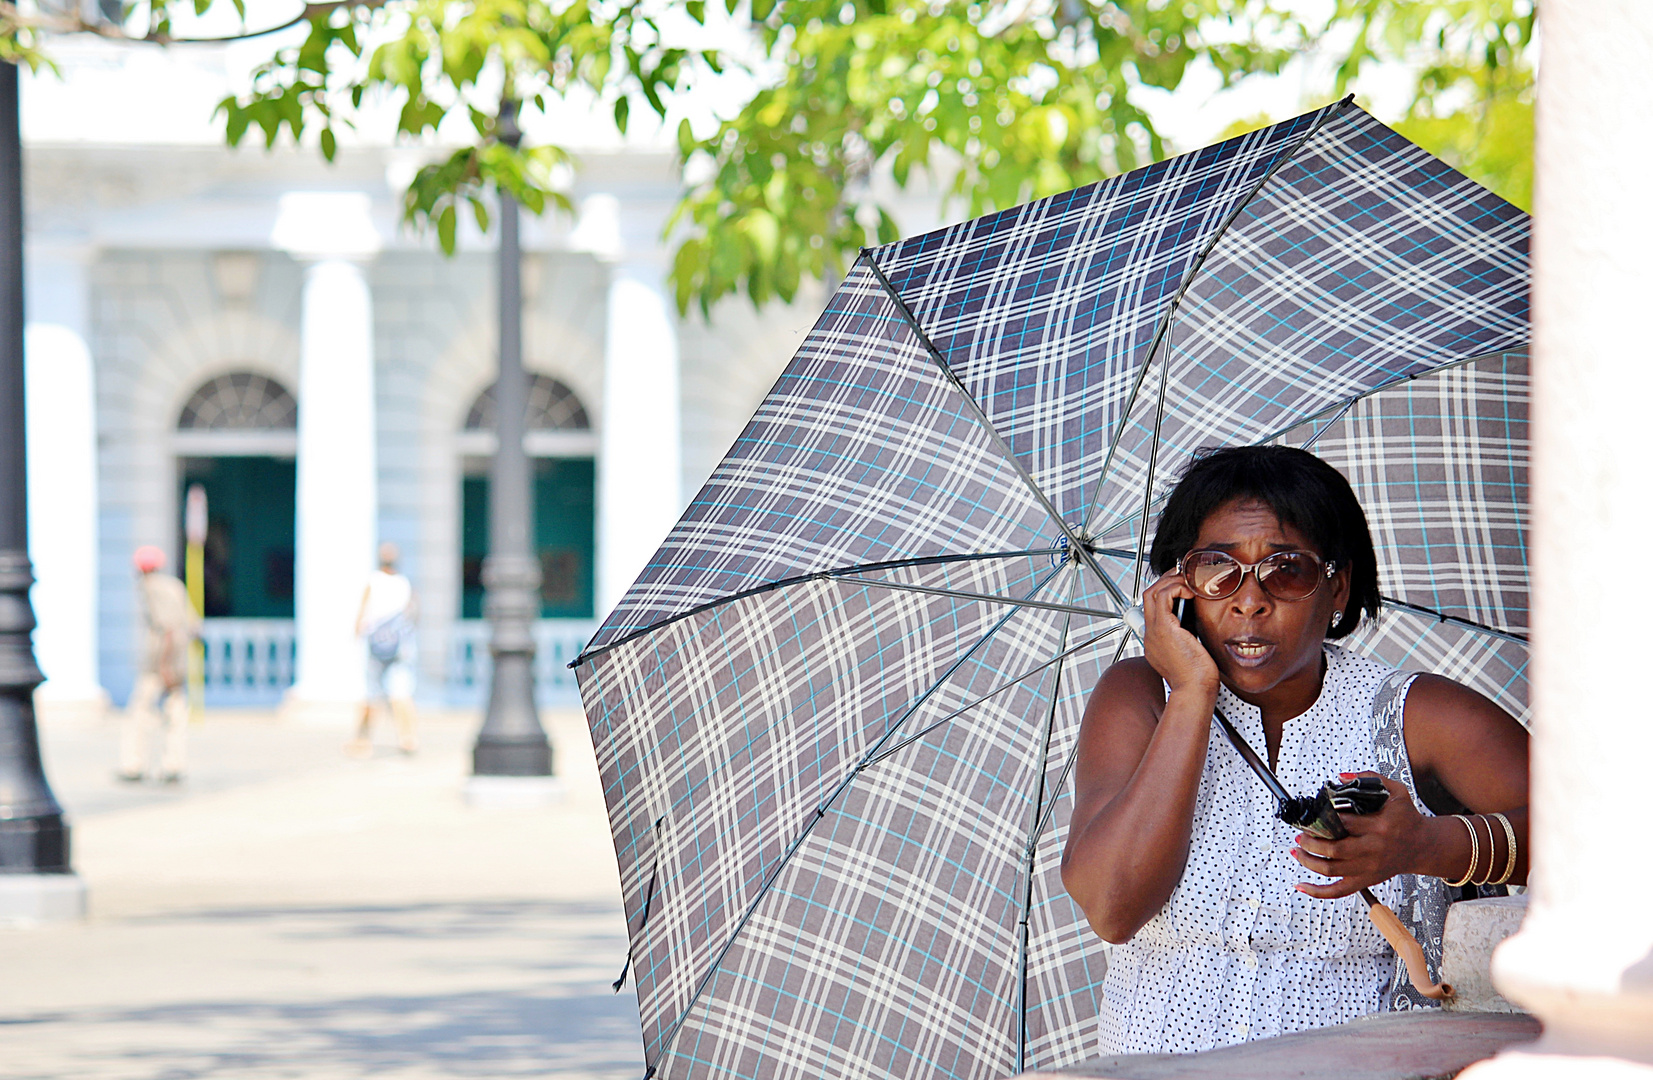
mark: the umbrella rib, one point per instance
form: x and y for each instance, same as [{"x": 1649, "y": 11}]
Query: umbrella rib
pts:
[
  {"x": 1044, "y": 811},
  {"x": 1073, "y": 755},
  {"x": 690, "y": 793},
  {"x": 1001, "y": 688},
  {"x": 1467, "y": 624},
  {"x": 1344, "y": 404},
  {"x": 1335, "y": 417},
  {"x": 1341, "y": 405},
  {"x": 1027, "y": 862},
  {"x": 867, "y": 759},
  {"x": 1153, "y": 468},
  {"x": 986, "y": 598},
  {"x": 979, "y": 414},
  {"x": 798, "y": 579},
  {"x": 1194, "y": 268}
]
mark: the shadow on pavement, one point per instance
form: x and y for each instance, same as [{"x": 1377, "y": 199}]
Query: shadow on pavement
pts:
[
  {"x": 344, "y": 992},
  {"x": 465, "y": 1035},
  {"x": 433, "y": 919}
]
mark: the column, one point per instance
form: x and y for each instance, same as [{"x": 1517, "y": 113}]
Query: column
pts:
[
  {"x": 63, "y": 484},
  {"x": 639, "y": 473},
  {"x": 1583, "y": 961},
  {"x": 337, "y": 503}
]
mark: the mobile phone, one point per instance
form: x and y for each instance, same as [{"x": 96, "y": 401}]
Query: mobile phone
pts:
[{"x": 1185, "y": 615}]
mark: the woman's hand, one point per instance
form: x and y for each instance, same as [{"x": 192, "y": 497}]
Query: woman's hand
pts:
[
  {"x": 1378, "y": 846},
  {"x": 1179, "y": 657},
  {"x": 1140, "y": 756}
]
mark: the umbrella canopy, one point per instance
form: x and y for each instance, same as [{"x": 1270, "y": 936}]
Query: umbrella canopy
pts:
[{"x": 835, "y": 715}]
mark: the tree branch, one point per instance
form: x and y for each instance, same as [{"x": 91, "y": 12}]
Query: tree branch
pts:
[{"x": 12, "y": 20}]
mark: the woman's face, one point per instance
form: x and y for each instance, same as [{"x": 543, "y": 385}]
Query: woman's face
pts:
[{"x": 1267, "y": 650}]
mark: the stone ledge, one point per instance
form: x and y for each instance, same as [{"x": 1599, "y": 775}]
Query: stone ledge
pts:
[
  {"x": 1474, "y": 928},
  {"x": 1422, "y": 1045}
]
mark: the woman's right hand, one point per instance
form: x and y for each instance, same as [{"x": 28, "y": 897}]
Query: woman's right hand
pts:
[
  {"x": 1179, "y": 657},
  {"x": 1140, "y": 757}
]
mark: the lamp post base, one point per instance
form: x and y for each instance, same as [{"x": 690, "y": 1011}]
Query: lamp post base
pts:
[
  {"x": 34, "y": 899},
  {"x": 512, "y": 744}
]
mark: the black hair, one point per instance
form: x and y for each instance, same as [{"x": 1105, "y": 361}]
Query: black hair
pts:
[{"x": 1303, "y": 491}]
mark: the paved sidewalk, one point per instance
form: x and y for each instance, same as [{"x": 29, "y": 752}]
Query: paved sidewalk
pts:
[{"x": 290, "y": 913}]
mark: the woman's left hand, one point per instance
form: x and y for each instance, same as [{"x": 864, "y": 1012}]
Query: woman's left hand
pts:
[{"x": 1378, "y": 847}]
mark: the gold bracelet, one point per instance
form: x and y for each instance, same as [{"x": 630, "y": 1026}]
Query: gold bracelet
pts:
[
  {"x": 1492, "y": 851},
  {"x": 1474, "y": 853},
  {"x": 1509, "y": 835}
]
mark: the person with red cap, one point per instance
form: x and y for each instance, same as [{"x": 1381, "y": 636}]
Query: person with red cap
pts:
[{"x": 171, "y": 625}]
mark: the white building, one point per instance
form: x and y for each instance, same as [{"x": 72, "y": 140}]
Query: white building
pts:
[{"x": 173, "y": 340}]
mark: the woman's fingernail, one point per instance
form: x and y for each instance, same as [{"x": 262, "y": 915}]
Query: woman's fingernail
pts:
[
  {"x": 1347, "y": 775},
  {"x": 1301, "y": 889}
]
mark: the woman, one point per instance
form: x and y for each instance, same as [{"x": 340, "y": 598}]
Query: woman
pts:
[{"x": 1229, "y": 924}]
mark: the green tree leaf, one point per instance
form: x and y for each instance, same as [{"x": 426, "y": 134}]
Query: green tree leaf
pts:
[
  {"x": 1001, "y": 102},
  {"x": 1473, "y": 98},
  {"x": 446, "y": 226}
]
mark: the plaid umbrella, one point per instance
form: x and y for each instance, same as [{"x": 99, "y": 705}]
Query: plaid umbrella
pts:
[{"x": 835, "y": 715}]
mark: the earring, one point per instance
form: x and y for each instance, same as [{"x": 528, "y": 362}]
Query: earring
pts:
[{"x": 1337, "y": 617}]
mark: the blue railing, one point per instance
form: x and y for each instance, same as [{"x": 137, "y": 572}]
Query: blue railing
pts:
[
  {"x": 249, "y": 662},
  {"x": 558, "y": 641}
]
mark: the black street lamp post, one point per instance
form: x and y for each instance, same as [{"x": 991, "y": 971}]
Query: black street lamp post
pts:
[
  {"x": 34, "y": 839},
  {"x": 511, "y": 743}
]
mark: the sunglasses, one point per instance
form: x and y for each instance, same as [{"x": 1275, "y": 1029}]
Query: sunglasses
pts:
[{"x": 1285, "y": 575}]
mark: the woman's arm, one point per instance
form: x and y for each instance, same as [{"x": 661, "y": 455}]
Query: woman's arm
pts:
[
  {"x": 1140, "y": 756},
  {"x": 1479, "y": 753}
]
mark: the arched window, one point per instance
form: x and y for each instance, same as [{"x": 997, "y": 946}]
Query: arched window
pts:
[
  {"x": 237, "y": 438},
  {"x": 552, "y": 406},
  {"x": 240, "y": 401},
  {"x": 561, "y": 443}
]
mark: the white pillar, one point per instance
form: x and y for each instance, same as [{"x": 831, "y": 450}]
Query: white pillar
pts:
[
  {"x": 1583, "y": 961},
  {"x": 337, "y": 505},
  {"x": 639, "y": 472},
  {"x": 63, "y": 486}
]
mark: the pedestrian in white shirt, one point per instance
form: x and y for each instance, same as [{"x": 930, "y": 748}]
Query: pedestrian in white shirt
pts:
[{"x": 386, "y": 619}]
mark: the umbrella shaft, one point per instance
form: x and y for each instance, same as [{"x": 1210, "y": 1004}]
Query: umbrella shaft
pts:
[{"x": 1258, "y": 765}]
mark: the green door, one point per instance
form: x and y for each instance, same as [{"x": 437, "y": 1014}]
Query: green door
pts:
[
  {"x": 250, "y": 535},
  {"x": 565, "y": 512}
]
